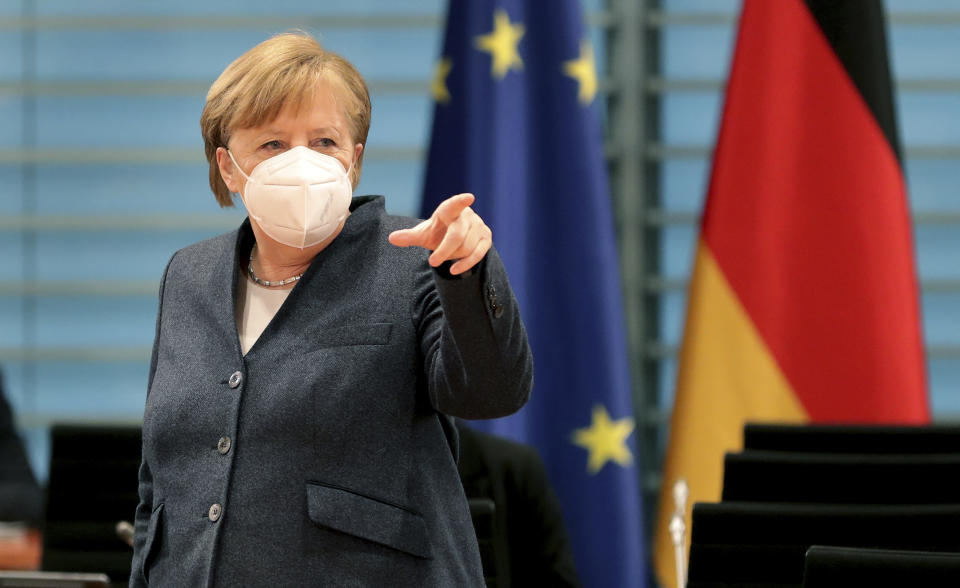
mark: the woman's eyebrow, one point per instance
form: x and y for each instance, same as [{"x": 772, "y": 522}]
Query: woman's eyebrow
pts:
[
  {"x": 326, "y": 129},
  {"x": 268, "y": 133}
]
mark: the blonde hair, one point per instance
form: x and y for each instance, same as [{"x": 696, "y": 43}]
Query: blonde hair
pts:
[{"x": 283, "y": 70}]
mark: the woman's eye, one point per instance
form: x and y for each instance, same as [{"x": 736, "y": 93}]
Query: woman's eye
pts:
[
  {"x": 272, "y": 145},
  {"x": 325, "y": 143}
]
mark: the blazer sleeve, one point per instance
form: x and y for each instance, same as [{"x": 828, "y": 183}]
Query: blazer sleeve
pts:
[
  {"x": 476, "y": 355},
  {"x": 144, "y": 510}
]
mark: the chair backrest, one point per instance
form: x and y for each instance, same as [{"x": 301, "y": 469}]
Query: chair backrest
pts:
[
  {"x": 841, "y": 567},
  {"x": 774, "y": 476},
  {"x": 765, "y": 543},
  {"x": 92, "y": 485},
  {"x": 865, "y": 439},
  {"x": 482, "y": 511}
]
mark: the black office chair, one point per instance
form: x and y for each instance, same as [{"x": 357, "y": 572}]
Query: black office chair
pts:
[
  {"x": 842, "y": 567},
  {"x": 482, "y": 511},
  {"x": 765, "y": 544},
  {"x": 92, "y": 485},
  {"x": 855, "y": 487},
  {"x": 863, "y": 439},
  {"x": 774, "y": 476}
]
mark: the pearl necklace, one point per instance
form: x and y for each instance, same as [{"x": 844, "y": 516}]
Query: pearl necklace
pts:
[{"x": 268, "y": 283}]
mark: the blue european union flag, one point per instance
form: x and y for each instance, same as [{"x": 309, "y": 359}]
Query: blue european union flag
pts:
[{"x": 516, "y": 124}]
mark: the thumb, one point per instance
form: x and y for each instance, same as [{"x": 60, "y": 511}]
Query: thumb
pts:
[{"x": 407, "y": 237}]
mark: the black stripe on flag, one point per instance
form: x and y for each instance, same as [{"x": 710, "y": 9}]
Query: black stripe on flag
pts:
[{"x": 856, "y": 31}]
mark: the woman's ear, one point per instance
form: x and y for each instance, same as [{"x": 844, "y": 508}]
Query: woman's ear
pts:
[
  {"x": 355, "y": 172},
  {"x": 228, "y": 171}
]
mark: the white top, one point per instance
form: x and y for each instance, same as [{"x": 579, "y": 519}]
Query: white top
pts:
[{"x": 256, "y": 306}]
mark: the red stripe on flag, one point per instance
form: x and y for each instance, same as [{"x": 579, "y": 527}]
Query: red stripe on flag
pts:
[{"x": 807, "y": 219}]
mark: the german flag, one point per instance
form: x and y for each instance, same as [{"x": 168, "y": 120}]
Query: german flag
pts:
[{"x": 803, "y": 299}]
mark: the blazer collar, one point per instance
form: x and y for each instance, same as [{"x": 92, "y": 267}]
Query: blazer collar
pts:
[{"x": 360, "y": 226}]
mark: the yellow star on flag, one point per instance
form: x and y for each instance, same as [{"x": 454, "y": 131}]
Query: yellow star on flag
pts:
[
  {"x": 438, "y": 86},
  {"x": 582, "y": 69},
  {"x": 605, "y": 440},
  {"x": 501, "y": 44}
]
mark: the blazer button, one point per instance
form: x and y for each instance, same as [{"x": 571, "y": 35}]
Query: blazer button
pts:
[
  {"x": 236, "y": 378},
  {"x": 223, "y": 446},
  {"x": 215, "y": 511},
  {"x": 495, "y": 305}
]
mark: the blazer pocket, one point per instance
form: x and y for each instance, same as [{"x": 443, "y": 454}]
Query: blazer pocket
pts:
[
  {"x": 150, "y": 544},
  {"x": 368, "y": 518},
  {"x": 370, "y": 334}
]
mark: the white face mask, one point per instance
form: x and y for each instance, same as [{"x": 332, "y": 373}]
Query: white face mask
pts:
[{"x": 298, "y": 197}]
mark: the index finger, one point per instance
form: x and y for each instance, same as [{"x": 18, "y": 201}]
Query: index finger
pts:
[{"x": 450, "y": 209}]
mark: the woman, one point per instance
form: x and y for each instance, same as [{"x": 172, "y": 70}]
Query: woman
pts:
[{"x": 296, "y": 429}]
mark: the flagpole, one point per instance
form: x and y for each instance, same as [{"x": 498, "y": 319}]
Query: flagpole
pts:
[{"x": 678, "y": 530}]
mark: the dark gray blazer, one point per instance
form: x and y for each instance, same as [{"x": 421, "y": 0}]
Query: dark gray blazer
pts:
[{"x": 322, "y": 457}]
